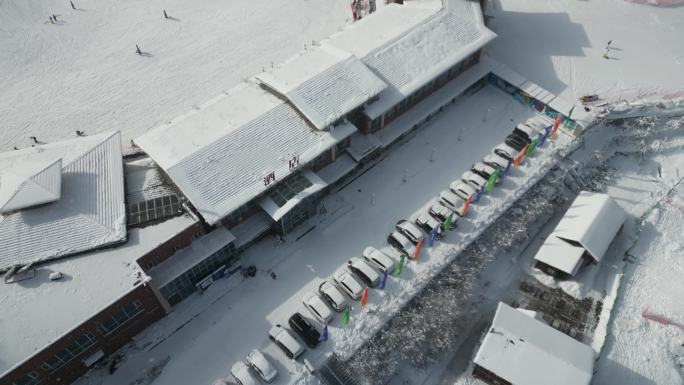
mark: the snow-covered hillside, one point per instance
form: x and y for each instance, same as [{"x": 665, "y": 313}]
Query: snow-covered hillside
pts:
[{"x": 83, "y": 73}]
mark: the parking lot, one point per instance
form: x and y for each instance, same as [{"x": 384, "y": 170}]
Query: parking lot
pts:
[{"x": 206, "y": 334}]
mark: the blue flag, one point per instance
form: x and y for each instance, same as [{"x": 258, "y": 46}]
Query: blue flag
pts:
[
  {"x": 543, "y": 139},
  {"x": 432, "y": 234},
  {"x": 477, "y": 195},
  {"x": 382, "y": 283},
  {"x": 505, "y": 171},
  {"x": 324, "y": 334}
]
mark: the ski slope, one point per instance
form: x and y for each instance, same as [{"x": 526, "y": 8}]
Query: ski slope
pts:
[
  {"x": 559, "y": 45},
  {"x": 83, "y": 73}
]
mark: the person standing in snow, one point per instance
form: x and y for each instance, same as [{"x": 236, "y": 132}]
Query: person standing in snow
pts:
[
  {"x": 54, "y": 17},
  {"x": 608, "y": 45},
  {"x": 137, "y": 50},
  {"x": 72, "y": 4},
  {"x": 165, "y": 15},
  {"x": 51, "y": 21},
  {"x": 605, "y": 55}
]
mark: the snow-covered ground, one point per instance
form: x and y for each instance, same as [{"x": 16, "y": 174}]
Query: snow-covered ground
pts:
[
  {"x": 83, "y": 73},
  {"x": 559, "y": 44}
]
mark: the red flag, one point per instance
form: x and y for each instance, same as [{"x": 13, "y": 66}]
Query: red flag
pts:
[
  {"x": 556, "y": 124},
  {"x": 364, "y": 297},
  {"x": 417, "y": 252},
  {"x": 518, "y": 158},
  {"x": 464, "y": 211}
]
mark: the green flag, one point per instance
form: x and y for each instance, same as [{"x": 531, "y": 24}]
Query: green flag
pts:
[
  {"x": 447, "y": 222},
  {"x": 399, "y": 267},
  {"x": 570, "y": 113},
  {"x": 491, "y": 181},
  {"x": 532, "y": 146},
  {"x": 345, "y": 315}
]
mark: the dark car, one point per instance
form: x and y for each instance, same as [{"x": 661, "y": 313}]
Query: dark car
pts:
[
  {"x": 516, "y": 142},
  {"x": 304, "y": 329}
]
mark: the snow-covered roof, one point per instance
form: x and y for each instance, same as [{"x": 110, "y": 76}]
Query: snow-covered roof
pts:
[
  {"x": 277, "y": 211},
  {"x": 560, "y": 254},
  {"x": 90, "y": 210},
  {"x": 592, "y": 220},
  {"x": 30, "y": 184},
  {"x": 220, "y": 154},
  {"x": 428, "y": 50},
  {"x": 38, "y": 311},
  {"x": 144, "y": 181},
  {"x": 523, "y": 350},
  {"x": 323, "y": 83},
  {"x": 184, "y": 259}
]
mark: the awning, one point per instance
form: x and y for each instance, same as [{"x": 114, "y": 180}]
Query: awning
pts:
[{"x": 288, "y": 193}]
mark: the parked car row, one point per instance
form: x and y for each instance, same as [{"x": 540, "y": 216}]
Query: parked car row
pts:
[
  {"x": 452, "y": 201},
  {"x": 333, "y": 295}
]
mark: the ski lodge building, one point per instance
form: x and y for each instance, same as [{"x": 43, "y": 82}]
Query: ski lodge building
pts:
[
  {"x": 519, "y": 349},
  {"x": 582, "y": 236},
  {"x": 97, "y": 245}
]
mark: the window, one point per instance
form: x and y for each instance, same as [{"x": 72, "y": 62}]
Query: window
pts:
[
  {"x": 30, "y": 378},
  {"x": 152, "y": 209},
  {"x": 288, "y": 188},
  {"x": 65, "y": 355},
  {"x": 121, "y": 317}
]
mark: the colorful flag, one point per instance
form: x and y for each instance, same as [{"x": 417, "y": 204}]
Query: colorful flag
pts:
[
  {"x": 399, "y": 267},
  {"x": 518, "y": 158},
  {"x": 345, "y": 315},
  {"x": 507, "y": 169},
  {"x": 364, "y": 297},
  {"x": 383, "y": 282},
  {"x": 491, "y": 181},
  {"x": 418, "y": 247},
  {"x": 554, "y": 128},
  {"x": 464, "y": 211},
  {"x": 324, "y": 334},
  {"x": 478, "y": 194},
  {"x": 447, "y": 222},
  {"x": 431, "y": 236},
  {"x": 546, "y": 133},
  {"x": 531, "y": 147}
]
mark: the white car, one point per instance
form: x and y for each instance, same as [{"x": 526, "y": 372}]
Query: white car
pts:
[
  {"x": 286, "y": 342},
  {"x": 495, "y": 161},
  {"x": 452, "y": 202},
  {"x": 410, "y": 231},
  {"x": 262, "y": 366},
  {"x": 475, "y": 181},
  {"x": 484, "y": 171},
  {"x": 538, "y": 124},
  {"x": 364, "y": 271},
  {"x": 219, "y": 381},
  {"x": 441, "y": 213},
  {"x": 400, "y": 243},
  {"x": 378, "y": 259},
  {"x": 242, "y": 375},
  {"x": 318, "y": 308},
  {"x": 505, "y": 151},
  {"x": 331, "y": 293},
  {"x": 463, "y": 190},
  {"x": 350, "y": 285},
  {"x": 427, "y": 222}
]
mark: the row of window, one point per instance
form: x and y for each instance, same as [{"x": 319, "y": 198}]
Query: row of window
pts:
[
  {"x": 153, "y": 209},
  {"x": 119, "y": 318},
  {"x": 183, "y": 286},
  {"x": 81, "y": 344},
  {"x": 67, "y": 354}
]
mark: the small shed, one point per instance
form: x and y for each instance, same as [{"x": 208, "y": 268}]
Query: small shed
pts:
[
  {"x": 520, "y": 349},
  {"x": 582, "y": 236}
]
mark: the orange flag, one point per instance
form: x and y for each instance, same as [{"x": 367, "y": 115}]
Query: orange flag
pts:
[
  {"x": 556, "y": 124},
  {"x": 417, "y": 252},
  {"x": 464, "y": 211},
  {"x": 518, "y": 158},
  {"x": 364, "y": 297}
]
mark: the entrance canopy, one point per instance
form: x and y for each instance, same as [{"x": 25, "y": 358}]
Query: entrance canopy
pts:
[{"x": 290, "y": 192}]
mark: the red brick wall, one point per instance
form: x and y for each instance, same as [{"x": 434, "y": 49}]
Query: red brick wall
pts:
[
  {"x": 165, "y": 250},
  {"x": 152, "y": 312}
]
